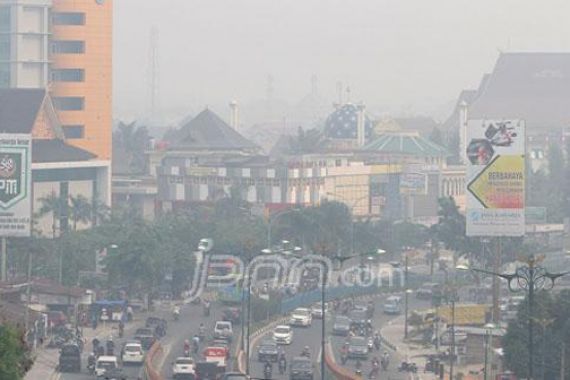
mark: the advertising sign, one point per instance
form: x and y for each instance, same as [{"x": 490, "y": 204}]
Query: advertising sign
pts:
[
  {"x": 15, "y": 185},
  {"x": 495, "y": 178},
  {"x": 413, "y": 180}
]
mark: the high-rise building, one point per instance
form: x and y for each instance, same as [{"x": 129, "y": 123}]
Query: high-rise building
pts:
[
  {"x": 24, "y": 43},
  {"x": 81, "y": 72}
]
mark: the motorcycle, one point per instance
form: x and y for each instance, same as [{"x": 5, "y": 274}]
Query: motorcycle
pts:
[
  {"x": 377, "y": 343},
  {"x": 384, "y": 362},
  {"x": 91, "y": 361},
  {"x": 267, "y": 372},
  {"x": 282, "y": 366},
  {"x": 370, "y": 344},
  {"x": 408, "y": 367}
]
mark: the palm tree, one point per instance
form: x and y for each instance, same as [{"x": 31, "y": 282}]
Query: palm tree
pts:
[
  {"x": 81, "y": 210},
  {"x": 56, "y": 206},
  {"x": 100, "y": 212}
]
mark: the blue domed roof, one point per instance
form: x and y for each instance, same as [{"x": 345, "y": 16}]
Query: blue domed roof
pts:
[{"x": 343, "y": 123}]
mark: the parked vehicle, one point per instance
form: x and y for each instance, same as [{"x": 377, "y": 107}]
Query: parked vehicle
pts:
[{"x": 70, "y": 358}]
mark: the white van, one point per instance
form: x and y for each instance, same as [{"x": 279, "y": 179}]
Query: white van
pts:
[
  {"x": 393, "y": 305},
  {"x": 104, "y": 364}
]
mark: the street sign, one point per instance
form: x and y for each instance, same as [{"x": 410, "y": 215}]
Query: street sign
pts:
[
  {"x": 495, "y": 178},
  {"x": 15, "y": 185}
]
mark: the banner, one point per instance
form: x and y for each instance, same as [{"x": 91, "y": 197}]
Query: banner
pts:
[
  {"x": 15, "y": 185},
  {"x": 495, "y": 178},
  {"x": 413, "y": 181}
]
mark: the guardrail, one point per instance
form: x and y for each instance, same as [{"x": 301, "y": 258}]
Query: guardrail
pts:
[
  {"x": 338, "y": 372},
  {"x": 149, "y": 373}
]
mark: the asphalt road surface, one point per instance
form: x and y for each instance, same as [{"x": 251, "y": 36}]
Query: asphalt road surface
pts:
[
  {"x": 378, "y": 321},
  {"x": 302, "y": 336}
]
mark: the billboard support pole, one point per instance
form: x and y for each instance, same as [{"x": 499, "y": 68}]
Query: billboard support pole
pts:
[
  {"x": 496, "y": 285},
  {"x": 4, "y": 261}
]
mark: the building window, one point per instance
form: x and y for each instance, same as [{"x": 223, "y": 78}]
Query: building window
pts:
[
  {"x": 69, "y": 103},
  {"x": 73, "y": 131},
  {"x": 5, "y": 47},
  {"x": 68, "y": 47},
  {"x": 4, "y": 75},
  {"x": 5, "y": 19},
  {"x": 68, "y": 18},
  {"x": 68, "y": 75}
]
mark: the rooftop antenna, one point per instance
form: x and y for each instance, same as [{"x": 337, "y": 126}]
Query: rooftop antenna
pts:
[{"x": 153, "y": 73}]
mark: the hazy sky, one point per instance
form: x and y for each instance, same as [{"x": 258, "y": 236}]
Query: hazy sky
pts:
[{"x": 404, "y": 55}]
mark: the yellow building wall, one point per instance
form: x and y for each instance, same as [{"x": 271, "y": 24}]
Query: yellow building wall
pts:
[{"x": 96, "y": 117}]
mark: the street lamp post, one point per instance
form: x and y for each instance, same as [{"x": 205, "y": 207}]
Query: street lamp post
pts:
[
  {"x": 488, "y": 335},
  {"x": 271, "y": 219},
  {"x": 528, "y": 278}
]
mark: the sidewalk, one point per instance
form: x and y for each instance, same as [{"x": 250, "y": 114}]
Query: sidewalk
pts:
[
  {"x": 393, "y": 332},
  {"x": 46, "y": 360}
]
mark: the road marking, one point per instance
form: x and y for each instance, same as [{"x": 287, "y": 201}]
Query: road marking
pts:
[{"x": 320, "y": 355}]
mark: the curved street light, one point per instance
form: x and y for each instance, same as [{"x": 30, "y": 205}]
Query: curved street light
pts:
[{"x": 528, "y": 278}]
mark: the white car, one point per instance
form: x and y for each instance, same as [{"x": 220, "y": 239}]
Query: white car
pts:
[
  {"x": 132, "y": 353},
  {"x": 283, "y": 334},
  {"x": 183, "y": 368},
  {"x": 317, "y": 312},
  {"x": 301, "y": 317},
  {"x": 223, "y": 330},
  {"x": 104, "y": 364}
]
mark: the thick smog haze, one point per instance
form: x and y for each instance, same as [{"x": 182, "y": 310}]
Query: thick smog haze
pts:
[{"x": 398, "y": 56}]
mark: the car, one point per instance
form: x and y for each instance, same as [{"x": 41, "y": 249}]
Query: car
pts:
[
  {"x": 357, "y": 348},
  {"x": 317, "y": 311},
  {"x": 283, "y": 334},
  {"x": 104, "y": 365},
  {"x": 301, "y": 317},
  {"x": 70, "y": 358},
  {"x": 426, "y": 291},
  {"x": 301, "y": 368},
  {"x": 132, "y": 353},
  {"x": 231, "y": 314},
  {"x": 235, "y": 376},
  {"x": 146, "y": 336},
  {"x": 358, "y": 318},
  {"x": 152, "y": 322},
  {"x": 223, "y": 330},
  {"x": 267, "y": 351},
  {"x": 393, "y": 305},
  {"x": 183, "y": 368},
  {"x": 341, "y": 325}
]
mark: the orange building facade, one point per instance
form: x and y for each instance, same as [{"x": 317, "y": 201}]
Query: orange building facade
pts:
[{"x": 81, "y": 72}]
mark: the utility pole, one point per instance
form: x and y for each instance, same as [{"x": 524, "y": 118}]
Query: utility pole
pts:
[{"x": 406, "y": 296}]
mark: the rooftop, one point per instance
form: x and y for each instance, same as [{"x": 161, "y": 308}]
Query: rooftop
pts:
[{"x": 406, "y": 143}]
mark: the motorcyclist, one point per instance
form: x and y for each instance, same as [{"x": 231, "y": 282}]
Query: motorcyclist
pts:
[
  {"x": 267, "y": 370},
  {"x": 306, "y": 352},
  {"x": 110, "y": 346},
  {"x": 207, "y": 308},
  {"x": 96, "y": 343},
  {"x": 195, "y": 343},
  {"x": 377, "y": 341},
  {"x": 385, "y": 360},
  {"x": 121, "y": 329},
  {"x": 374, "y": 371},
  {"x": 176, "y": 312},
  {"x": 186, "y": 346},
  {"x": 91, "y": 361},
  {"x": 282, "y": 363},
  {"x": 202, "y": 329}
]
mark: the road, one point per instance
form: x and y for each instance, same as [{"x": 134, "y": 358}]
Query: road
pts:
[
  {"x": 378, "y": 321},
  {"x": 302, "y": 336}
]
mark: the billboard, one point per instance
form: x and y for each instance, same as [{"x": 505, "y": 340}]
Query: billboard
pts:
[
  {"x": 413, "y": 181},
  {"x": 15, "y": 185},
  {"x": 495, "y": 178}
]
